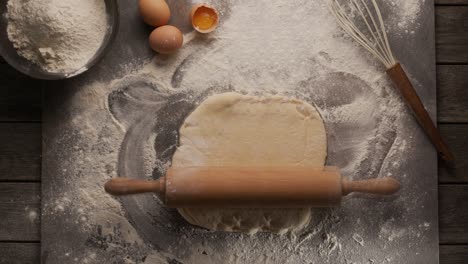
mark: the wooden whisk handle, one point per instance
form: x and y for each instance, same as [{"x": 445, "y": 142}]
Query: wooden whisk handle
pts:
[
  {"x": 380, "y": 186},
  {"x": 403, "y": 84},
  {"x": 126, "y": 186}
]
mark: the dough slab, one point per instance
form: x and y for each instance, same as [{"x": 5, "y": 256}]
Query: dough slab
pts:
[{"x": 231, "y": 129}]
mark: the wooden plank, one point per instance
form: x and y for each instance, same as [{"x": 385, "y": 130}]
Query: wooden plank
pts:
[
  {"x": 20, "y": 151},
  {"x": 456, "y": 136},
  {"x": 20, "y": 253},
  {"x": 20, "y": 96},
  {"x": 452, "y": 93},
  {"x": 452, "y": 34},
  {"x": 20, "y": 211},
  {"x": 453, "y": 214},
  {"x": 453, "y": 254},
  {"x": 451, "y": 2}
]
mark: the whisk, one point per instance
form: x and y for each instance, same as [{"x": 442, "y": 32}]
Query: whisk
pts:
[{"x": 364, "y": 23}]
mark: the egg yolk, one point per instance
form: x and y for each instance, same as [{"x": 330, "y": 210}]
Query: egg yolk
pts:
[{"x": 204, "y": 18}]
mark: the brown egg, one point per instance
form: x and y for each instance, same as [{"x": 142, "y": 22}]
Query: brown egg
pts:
[
  {"x": 154, "y": 12},
  {"x": 166, "y": 39},
  {"x": 204, "y": 18}
]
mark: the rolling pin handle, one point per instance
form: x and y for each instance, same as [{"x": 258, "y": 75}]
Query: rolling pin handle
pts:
[
  {"x": 380, "y": 186},
  {"x": 125, "y": 186}
]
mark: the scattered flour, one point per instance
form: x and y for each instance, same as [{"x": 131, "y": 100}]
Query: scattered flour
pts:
[
  {"x": 31, "y": 214},
  {"x": 358, "y": 238},
  {"x": 58, "y": 35},
  {"x": 329, "y": 244},
  {"x": 364, "y": 115},
  {"x": 92, "y": 161},
  {"x": 408, "y": 12}
]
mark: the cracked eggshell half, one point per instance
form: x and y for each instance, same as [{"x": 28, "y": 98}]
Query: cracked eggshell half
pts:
[{"x": 204, "y": 18}]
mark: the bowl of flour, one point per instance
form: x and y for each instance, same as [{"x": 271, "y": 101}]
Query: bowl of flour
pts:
[{"x": 56, "y": 39}]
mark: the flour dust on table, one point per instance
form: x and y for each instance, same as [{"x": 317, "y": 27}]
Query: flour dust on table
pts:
[
  {"x": 129, "y": 126},
  {"x": 408, "y": 14}
]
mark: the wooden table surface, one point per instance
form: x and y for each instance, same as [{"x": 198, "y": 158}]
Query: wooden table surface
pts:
[{"x": 20, "y": 147}]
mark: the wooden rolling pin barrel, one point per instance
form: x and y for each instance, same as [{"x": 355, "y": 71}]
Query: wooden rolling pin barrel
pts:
[{"x": 244, "y": 187}]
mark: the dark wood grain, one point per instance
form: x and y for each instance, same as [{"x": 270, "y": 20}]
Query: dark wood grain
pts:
[
  {"x": 453, "y": 254},
  {"x": 452, "y": 34},
  {"x": 20, "y": 96},
  {"x": 20, "y": 151},
  {"x": 19, "y": 211},
  {"x": 452, "y": 29},
  {"x": 453, "y": 214},
  {"x": 452, "y": 93},
  {"x": 457, "y": 137},
  {"x": 451, "y": 2},
  {"x": 20, "y": 253}
]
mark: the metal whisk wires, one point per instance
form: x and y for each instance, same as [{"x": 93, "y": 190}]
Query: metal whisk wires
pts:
[{"x": 372, "y": 34}]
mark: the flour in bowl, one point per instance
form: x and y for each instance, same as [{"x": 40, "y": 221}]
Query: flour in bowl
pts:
[{"x": 57, "y": 35}]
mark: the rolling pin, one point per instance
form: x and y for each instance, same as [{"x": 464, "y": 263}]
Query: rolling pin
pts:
[{"x": 250, "y": 187}]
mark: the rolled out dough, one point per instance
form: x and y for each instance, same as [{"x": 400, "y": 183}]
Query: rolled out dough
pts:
[{"x": 232, "y": 129}]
